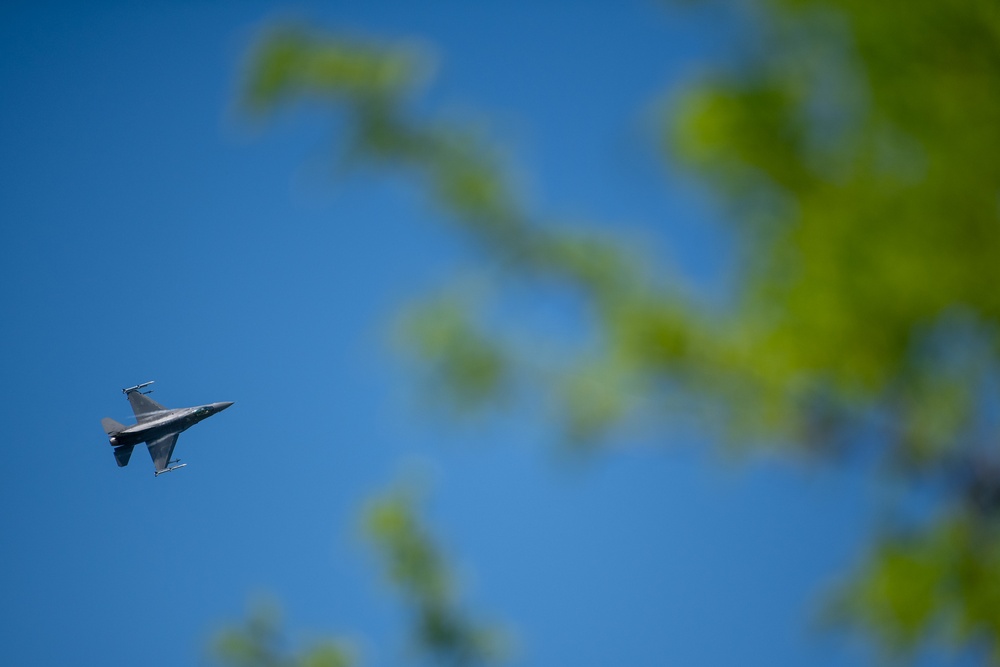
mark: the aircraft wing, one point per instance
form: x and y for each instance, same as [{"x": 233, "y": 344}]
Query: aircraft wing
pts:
[
  {"x": 161, "y": 450},
  {"x": 144, "y": 407}
]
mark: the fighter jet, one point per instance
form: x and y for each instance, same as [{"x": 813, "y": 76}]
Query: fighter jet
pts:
[{"x": 155, "y": 425}]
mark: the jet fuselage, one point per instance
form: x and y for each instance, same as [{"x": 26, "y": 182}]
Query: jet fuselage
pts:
[
  {"x": 157, "y": 426},
  {"x": 167, "y": 422}
]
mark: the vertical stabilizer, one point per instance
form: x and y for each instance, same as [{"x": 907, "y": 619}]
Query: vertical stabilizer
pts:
[{"x": 111, "y": 426}]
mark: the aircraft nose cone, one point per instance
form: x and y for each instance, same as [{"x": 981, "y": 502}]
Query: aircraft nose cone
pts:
[{"x": 223, "y": 405}]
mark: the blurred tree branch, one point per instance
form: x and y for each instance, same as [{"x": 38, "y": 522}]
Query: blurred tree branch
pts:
[
  {"x": 444, "y": 633},
  {"x": 260, "y": 642}
]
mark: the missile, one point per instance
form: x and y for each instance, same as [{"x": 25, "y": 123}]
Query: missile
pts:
[
  {"x": 157, "y": 473},
  {"x": 137, "y": 387}
]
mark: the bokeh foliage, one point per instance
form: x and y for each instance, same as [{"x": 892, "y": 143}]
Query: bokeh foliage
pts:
[
  {"x": 260, "y": 642},
  {"x": 855, "y": 150},
  {"x": 443, "y": 631}
]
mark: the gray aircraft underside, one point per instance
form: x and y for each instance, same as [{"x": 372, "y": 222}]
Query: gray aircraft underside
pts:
[{"x": 155, "y": 425}]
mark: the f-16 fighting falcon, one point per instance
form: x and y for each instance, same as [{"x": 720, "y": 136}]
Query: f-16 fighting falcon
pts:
[{"x": 155, "y": 425}]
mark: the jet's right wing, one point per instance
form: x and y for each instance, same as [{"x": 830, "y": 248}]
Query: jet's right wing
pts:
[
  {"x": 161, "y": 449},
  {"x": 144, "y": 407}
]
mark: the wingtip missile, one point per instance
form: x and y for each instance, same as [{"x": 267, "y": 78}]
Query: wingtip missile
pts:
[
  {"x": 157, "y": 473},
  {"x": 137, "y": 387}
]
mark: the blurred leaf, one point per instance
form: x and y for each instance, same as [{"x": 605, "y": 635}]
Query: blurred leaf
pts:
[
  {"x": 943, "y": 582},
  {"x": 260, "y": 642},
  {"x": 467, "y": 364},
  {"x": 443, "y": 632},
  {"x": 296, "y": 61}
]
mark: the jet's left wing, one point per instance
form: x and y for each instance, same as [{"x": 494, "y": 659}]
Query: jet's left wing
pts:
[
  {"x": 161, "y": 449},
  {"x": 144, "y": 407}
]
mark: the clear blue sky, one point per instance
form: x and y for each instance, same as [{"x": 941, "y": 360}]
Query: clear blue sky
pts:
[{"x": 147, "y": 233}]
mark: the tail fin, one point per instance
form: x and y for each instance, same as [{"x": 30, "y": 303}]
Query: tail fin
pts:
[
  {"x": 122, "y": 455},
  {"x": 111, "y": 426}
]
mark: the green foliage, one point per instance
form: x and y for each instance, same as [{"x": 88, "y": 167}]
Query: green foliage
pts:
[
  {"x": 443, "y": 632},
  {"x": 856, "y": 150},
  {"x": 260, "y": 642},
  {"x": 466, "y": 179},
  {"x": 468, "y": 364},
  {"x": 861, "y": 145},
  {"x": 858, "y": 153},
  {"x": 294, "y": 61},
  {"x": 877, "y": 226},
  {"x": 941, "y": 583}
]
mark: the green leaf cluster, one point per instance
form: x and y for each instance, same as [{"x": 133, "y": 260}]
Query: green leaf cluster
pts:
[
  {"x": 443, "y": 632},
  {"x": 260, "y": 642},
  {"x": 855, "y": 148},
  {"x": 938, "y": 584}
]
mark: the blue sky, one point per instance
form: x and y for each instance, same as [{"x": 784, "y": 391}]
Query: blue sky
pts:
[{"x": 148, "y": 232}]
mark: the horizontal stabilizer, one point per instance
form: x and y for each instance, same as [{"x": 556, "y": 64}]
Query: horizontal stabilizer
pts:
[
  {"x": 111, "y": 426},
  {"x": 122, "y": 455}
]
